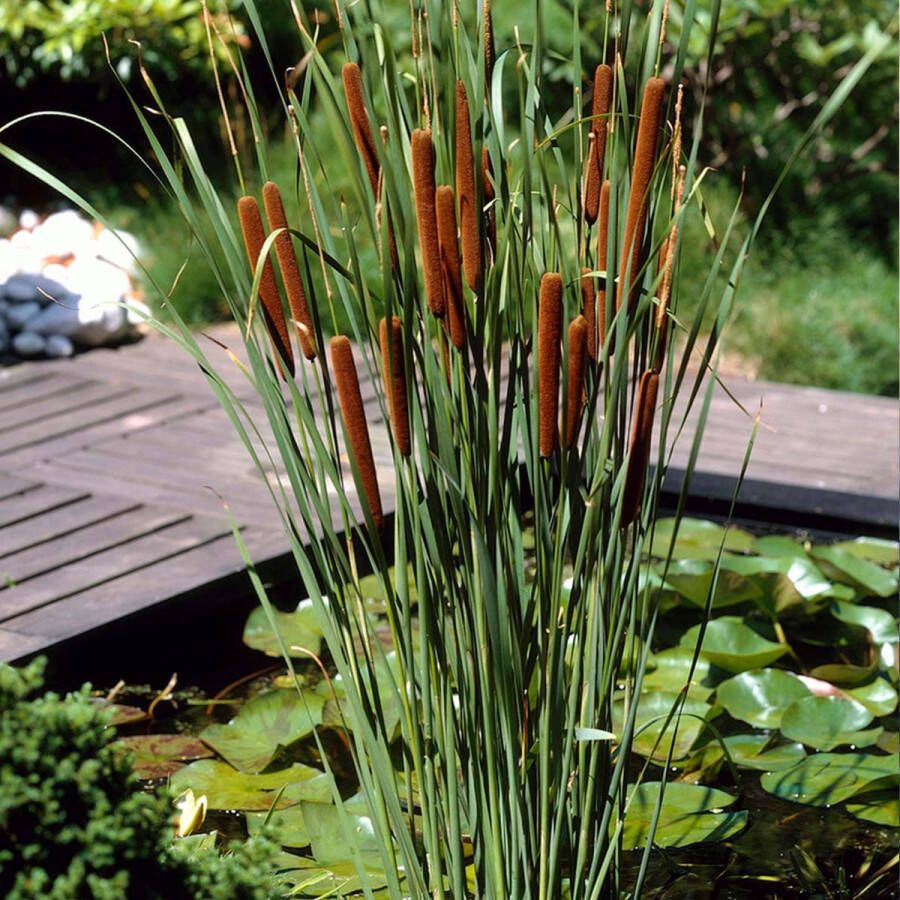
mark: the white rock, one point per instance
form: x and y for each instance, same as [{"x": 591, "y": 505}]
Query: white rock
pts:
[
  {"x": 18, "y": 315},
  {"x": 118, "y": 248},
  {"x": 62, "y": 233},
  {"x": 27, "y": 343},
  {"x": 28, "y": 219},
  {"x": 58, "y": 346}
]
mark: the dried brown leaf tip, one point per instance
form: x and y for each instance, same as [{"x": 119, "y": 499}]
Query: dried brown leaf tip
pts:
[
  {"x": 290, "y": 271},
  {"x": 490, "y": 51},
  {"x": 359, "y": 122},
  {"x": 453, "y": 290},
  {"x": 426, "y": 218},
  {"x": 354, "y": 416},
  {"x": 578, "y": 342},
  {"x": 465, "y": 190},
  {"x": 254, "y": 238},
  {"x": 639, "y": 450},
  {"x": 602, "y": 248},
  {"x": 636, "y": 217},
  {"x": 549, "y": 354},
  {"x": 597, "y": 148},
  {"x": 391, "y": 337},
  {"x": 589, "y": 310}
]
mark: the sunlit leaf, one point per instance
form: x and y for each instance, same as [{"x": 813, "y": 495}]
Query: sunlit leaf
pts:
[
  {"x": 653, "y": 738},
  {"x": 862, "y": 572},
  {"x": 299, "y": 630},
  {"x": 876, "y": 550},
  {"x": 878, "y": 696},
  {"x": 673, "y": 668},
  {"x": 760, "y": 697},
  {"x": 287, "y": 826},
  {"x": 828, "y": 722},
  {"x": 734, "y": 646},
  {"x": 159, "y": 755},
  {"x": 697, "y": 539},
  {"x": 882, "y": 808},
  {"x": 880, "y": 624}
]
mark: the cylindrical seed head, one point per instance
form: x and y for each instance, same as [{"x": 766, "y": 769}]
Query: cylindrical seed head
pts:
[
  {"x": 578, "y": 341},
  {"x": 395, "y": 381},
  {"x": 453, "y": 291},
  {"x": 423, "y": 186},
  {"x": 597, "y": 150},
  {"x": 639, "y": 449},
  {"x": 465, "y": 190},
  {"x": 359, "y": 122},
  {"x": 549, "y": 354}
]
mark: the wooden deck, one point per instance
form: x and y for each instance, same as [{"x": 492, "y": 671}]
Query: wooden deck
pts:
[{"x": 113, "y": 467}]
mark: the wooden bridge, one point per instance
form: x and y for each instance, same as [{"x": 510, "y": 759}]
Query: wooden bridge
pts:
[{"x": 113, "y": 466}]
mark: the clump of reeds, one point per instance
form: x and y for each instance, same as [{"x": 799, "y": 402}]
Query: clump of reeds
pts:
[
  {"x": 426, "y": 218},
  {"x": 273, "y": 313},
  {"x": 550, "y": 312}
]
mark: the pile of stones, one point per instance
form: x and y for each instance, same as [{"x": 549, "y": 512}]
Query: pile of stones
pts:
[{"x": 66, "y": 283}]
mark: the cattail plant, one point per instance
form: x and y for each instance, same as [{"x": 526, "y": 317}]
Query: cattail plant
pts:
[{"x": 484, "y": 711}]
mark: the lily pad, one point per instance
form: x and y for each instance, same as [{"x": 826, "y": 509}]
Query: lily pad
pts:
[
  {"x": 692, "y": 579},
  {"x": 734, "y": 646},
  {"x": 309, "y": 878},
  {"x": 878, "y": 696},
  {"x": 845, "y": 674},
  {"x": 876, "y": 550},
  {"x": 824, "y": 779},
  {"x": 760, "y": 697},
  {"x": 120, "y": 713},
  {"x": 226, "y": 788},
  {"x": 828, "y": 722},
  {"x": 160, "y": 755},
  {"x": 338, "y": 835},
  {"x": 287, "y": 826},
  {"x": 862, "y": 572},
  {"x": 299, "y": 630},
  {"x": 779, "y": 545},
  {"x": 880, "y": 624},
  {"x": 882, "y": 808},
  {"x": 673, "y": 668},
  {"x": 697, "y": 539},
  {"x": 650, "y": 724},
  {"x": 746, "y": 751},
  {"x": 690, "y": 814},
  {"x": 263, "y": 725}
]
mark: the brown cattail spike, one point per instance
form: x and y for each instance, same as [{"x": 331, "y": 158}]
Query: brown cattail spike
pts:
[
  {"x": 423, "y": 184},
  {"x": 578, "y": 342},
  {"x": 639, "y": 450},
  {"x": 549, "y": 332},
  {"x": 359, "y": 121},
  {"x": 602, "y": 248},
  {"x": 290, "y": 271},
  {"x": 453, "y": 292},
  {"x": 487, "y": 186},
  {"x": 644, "y": 158},
  {"x": 395, "y": 381},
  {"x": 254, "y": 238},
  {"x": 465, "y": 190},
  {"x": 589, "y": 310},
  {"x": 354, "y": 415},
  {"x": 597, "y": 150}
]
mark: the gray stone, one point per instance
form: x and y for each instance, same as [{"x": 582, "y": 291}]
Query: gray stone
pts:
[
  {"x": 27, "y": 343},
  {"x": 57, "y": 318},
  {"x": 4, "y": 337},
  {"x": 31, "y": 286},
  {"x": 18, "y": 316},
  {"x": 58, "y": 345}
]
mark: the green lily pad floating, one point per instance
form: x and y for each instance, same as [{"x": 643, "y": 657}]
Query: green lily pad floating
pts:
[
  {"x": 692, "y": 579},
  {"x": 779, "y": 545},
  {"x": 309, "y": 878},
  {"x": 760, "y": 697},
  {"x": 338, "y": 835},
  {"x": 697, "y": 539},
  {"x": 264, "y": 724},
  {"x": 120, "y": 713},
  {"x": 861, "y": 572},
  {"x": 824, "y": 779},
  {"x": 673, "y": 669},
  {"x": 690, "y": 814},
  {"x": 882, "y": 808},
  {"x": 160, "y": 755},
  {"x": 828, "y": 722},
  {"x": 880, "y": 624},
  {"x": 747, "y": 751},
  {"x": 734, "y": 646},
  {"x": 876, "y": 550},
  {"x": 287, "y": 826},
  {"x": 299, "y": 630},
  {"x": 653, "y": 738},
  {"x": 845, "y": 674},
  {"x": 878, "y": 696},
  {"x": 226, "y": 788}
]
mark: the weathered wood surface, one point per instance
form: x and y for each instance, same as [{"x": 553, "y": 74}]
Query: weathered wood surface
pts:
[{"x": 114, "y": 467}]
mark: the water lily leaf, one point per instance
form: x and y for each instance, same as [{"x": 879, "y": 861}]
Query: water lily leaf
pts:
[
  {"x": 783, "y": 581},
  {"x": 779, "y": 545},
  {"x": 889, "y": 741},
  {"x": 226, "y": 788},
  {"x": 299, "y": 630},
  {"x": 650, "y": 724},
  {"x": 697, "y": 539},
  {"x": 120, "y": 713},
  {"x": 265, "y": 723},
  {"x": 824, "y": 779},
  {"x": 876, "y": 550},
  {"x": 862, "y": 572},
  {"x": 760, "y": 697},
  {"x": 690, "y": 814},
  {"x": 749, "y": 751},
  {"x": 692, "y": 579},
  {"x": 827, "y": 722},
  {"x": 160, "y": 755},
  {"x": 371, "y": 588},
  {"x": 287, "y": 826},
  {"x": 673, "y": 668},
  {"x": 734, "y": 646},
  {"x": 338, "y": 835},
  {"x": 878, "y": 696},
  {"x": 845, "y": 674},
  {"x": 882, "y": 808},
  {"x": 309, "y": 878},
  {"x": 880, "y": 624}
]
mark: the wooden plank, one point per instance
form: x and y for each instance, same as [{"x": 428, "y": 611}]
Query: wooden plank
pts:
[
  {"x": 48, "y": 385},
  {"x": 38, "y": 500},
  {"x": 10, "y": 485},
  {"x": 16, "y": 644},
  {"x": 59, "y": 522},
  {"x": 109, "y": 564},
  {"x": 81, "y": 395},
  {"x": 88, "y": 541}
]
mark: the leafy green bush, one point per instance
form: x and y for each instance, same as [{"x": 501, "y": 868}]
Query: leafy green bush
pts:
[{"x": 74, "y": 821}]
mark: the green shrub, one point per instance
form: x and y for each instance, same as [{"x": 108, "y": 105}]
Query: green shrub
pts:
[{"x": 74, "y": 821}]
